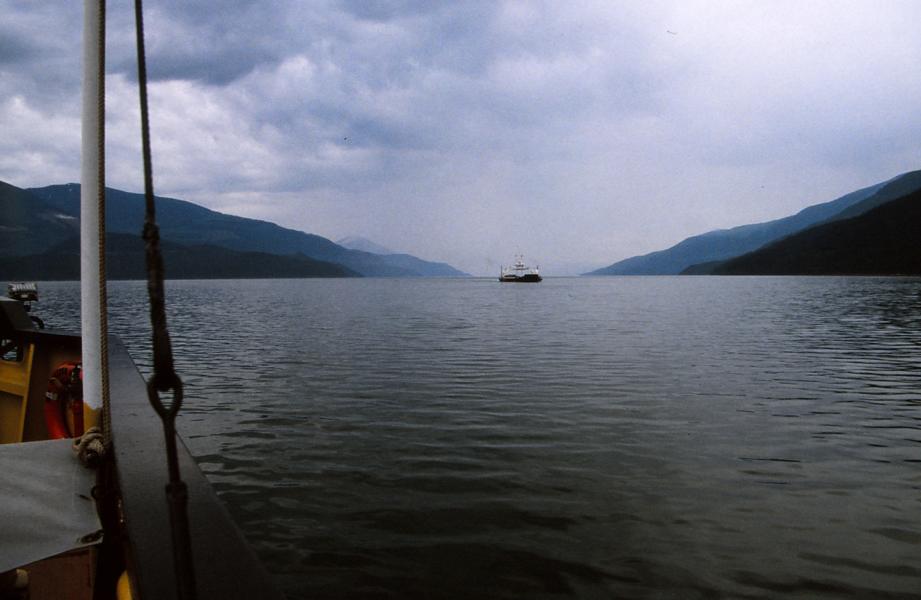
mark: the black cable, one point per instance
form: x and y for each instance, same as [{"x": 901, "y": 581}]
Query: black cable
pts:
[{"x": 164, "y": 377}]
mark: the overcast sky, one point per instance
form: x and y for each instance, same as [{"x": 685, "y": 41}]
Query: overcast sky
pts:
[{"x": 578, "y": 133}]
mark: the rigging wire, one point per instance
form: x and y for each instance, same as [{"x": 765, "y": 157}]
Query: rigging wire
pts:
[{"x": 164, "y": 378}]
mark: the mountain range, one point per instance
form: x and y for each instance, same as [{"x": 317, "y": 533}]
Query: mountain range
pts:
[
  {"x": 873, "y": 230},
  {"x": 39, "y": 223},
  {"x": 125, "y": 259},
  {"x": 885, "y": 240},
  {"x": 702, "y": 253}
]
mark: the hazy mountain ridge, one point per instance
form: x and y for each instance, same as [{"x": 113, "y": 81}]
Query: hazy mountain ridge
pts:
[
  {"x": 356, "y": 242},
  {"x": 882, "y": 241},
  {"x": 720, "y": 245},
  {"x": 188, "y": 223},
  {"x": 125, "y": 259},
  {"x": 401, "y": 259},
  {"x": 38, "y": 229}
]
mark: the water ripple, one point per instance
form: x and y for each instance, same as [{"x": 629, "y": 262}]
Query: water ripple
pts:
[{"x": 590, "y": 438}]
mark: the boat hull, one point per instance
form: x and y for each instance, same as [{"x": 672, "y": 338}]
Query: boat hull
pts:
[{"x": 526, "y": 278}]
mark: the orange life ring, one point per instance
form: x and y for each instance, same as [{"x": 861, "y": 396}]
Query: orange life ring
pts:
[{"x": 64, "y": 399}]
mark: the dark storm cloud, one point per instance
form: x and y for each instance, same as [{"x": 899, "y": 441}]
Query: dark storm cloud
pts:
[
  {"x": 38, "y": 43},
  {"x": 213, "y": 43},
  {"x": 17, "y": 48}
]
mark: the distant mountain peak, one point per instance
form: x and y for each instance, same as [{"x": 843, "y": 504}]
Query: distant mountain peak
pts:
[{"x": 356, "y": 242}]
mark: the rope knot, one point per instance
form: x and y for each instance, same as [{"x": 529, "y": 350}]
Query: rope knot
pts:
[{"x": 90, "y": 447}]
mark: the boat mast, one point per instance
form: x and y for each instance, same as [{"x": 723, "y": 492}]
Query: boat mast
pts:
[{"x": 93, "y": 323}]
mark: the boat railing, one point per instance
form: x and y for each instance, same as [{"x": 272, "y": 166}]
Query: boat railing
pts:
[{"x": 225, "y": 566}]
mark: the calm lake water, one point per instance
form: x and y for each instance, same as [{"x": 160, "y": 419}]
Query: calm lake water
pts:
[{"x": 644, "y": 437}]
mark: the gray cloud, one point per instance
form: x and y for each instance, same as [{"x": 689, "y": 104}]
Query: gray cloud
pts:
[
  {"x": 435, "y": 126},
  {"x": 16, "y": 47}
]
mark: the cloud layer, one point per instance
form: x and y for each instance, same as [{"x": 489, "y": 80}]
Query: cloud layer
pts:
[{"x": 578, "y": 133}]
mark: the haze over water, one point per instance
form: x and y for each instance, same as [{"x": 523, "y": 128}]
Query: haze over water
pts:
[{"x": 582, "y": 437}]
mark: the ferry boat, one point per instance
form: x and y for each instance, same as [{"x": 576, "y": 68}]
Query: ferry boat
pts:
[
  {"x": 100, "y": 498},
  {"x": 520, "y": 272}
]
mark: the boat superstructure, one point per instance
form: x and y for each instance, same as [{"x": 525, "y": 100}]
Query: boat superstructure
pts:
[
  {"x": 76, "y": 530},
  {"x": 519, "y": 272}
]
